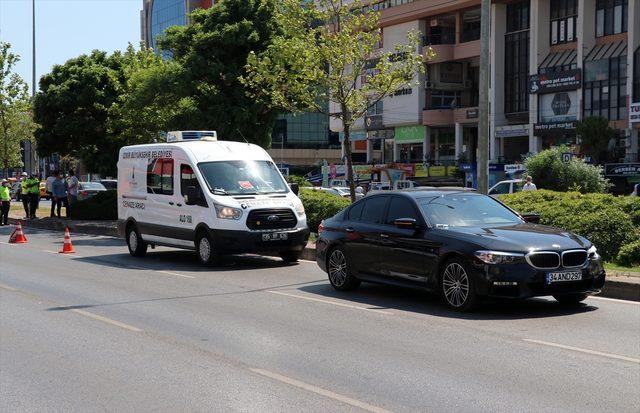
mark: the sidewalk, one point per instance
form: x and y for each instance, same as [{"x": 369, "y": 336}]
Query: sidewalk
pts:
[{"x": 621, "y": 285}]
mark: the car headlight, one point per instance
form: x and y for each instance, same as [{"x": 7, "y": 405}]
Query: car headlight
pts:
[
  {"x": 297, "y": 205},
  {"x": 499, "y": 257},
  {"x": 592, "y": 253},
  {"x": 226, "y": 212}
]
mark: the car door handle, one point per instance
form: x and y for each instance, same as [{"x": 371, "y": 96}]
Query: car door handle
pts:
[
  {"x": 385, "y": 236},
  {"x": 349, "y": 229}
]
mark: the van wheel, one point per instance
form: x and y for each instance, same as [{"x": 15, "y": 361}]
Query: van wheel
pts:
[
  {"x": 290, "y": 257},
  {"x": 137, "y": 246},
  {"x": 205, "y": 249}
]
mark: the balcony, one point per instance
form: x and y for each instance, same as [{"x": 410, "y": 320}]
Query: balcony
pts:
[{"x": 457, "y": 51}]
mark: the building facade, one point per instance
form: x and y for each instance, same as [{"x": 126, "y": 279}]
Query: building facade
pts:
[{"x": 553, "y": 63}]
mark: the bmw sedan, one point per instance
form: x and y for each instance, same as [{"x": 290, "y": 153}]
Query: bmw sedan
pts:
[{"x": 461, "y": 244}]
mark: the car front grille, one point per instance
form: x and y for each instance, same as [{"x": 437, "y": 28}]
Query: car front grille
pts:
[
  {"x": 545, "y": 260},
  {"x": 574, "y": 258},
  {"x": 269, "y": 219}
]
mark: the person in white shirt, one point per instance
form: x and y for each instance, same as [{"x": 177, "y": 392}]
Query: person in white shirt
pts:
[
  {"x": 529, "y": 186},
  {"x": 49, "y": 190},
  {"x": 72, "y": 181}
]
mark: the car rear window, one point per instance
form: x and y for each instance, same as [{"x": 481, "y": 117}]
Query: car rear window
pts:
[{"x": 356, "y": 211}]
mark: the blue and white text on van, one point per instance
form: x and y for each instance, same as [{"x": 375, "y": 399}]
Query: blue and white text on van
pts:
[{"x": 214, "y": 197}]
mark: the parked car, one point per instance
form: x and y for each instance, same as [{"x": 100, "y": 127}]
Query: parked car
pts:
[
  {"x": 462, "y": 244},
  {"x": 378, "y": 186},
  {"x": 87, "y": 190},
  {"x": 339, "y": 183},
  {"x": 337, "y": 191},
  {"x": 506, "y": 187},
  {"x": 110, "y": 184}
]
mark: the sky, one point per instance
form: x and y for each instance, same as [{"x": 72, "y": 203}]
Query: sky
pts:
[{"x": 66, "y": 29}]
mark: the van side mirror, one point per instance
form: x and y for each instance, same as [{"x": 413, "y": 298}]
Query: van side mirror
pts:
[
  {"x": 295, "y": 188},
  {"x": 531, "y": 217},
  {"x": 192, "y": 195},
  {"x": 406, "y": 223}
]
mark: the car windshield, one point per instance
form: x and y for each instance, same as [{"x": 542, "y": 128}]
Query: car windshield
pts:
[
  {"x": 466, "y": 210},
  {"x": 92, "y": 186},
  {"x": 243, "y": 177}
]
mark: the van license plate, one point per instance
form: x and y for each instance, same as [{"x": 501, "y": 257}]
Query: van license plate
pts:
[
  {"x": 275, "y": 236},
  {"x": 554, "y": 277}
]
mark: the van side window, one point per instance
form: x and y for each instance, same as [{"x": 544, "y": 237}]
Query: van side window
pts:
[
  {"x": 187, "y": 179},
  {"x": 160, "y": 177}
]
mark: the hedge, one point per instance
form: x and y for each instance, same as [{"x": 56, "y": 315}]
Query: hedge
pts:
[
  {"x": 629, "y": 255},
  {"x": 102, "y": 206},
  {"x": 607, "y": 221},
  {"x": 320, "y": 205}
]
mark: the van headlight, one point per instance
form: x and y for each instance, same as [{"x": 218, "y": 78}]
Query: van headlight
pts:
[
  {"x": 227, "y": 212},
  {"x": 498, "y": 257},
  {"x": 297, "y": 205},
  {"x": 592, "y": 253}
]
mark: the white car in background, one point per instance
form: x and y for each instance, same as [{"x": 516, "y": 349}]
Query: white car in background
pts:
[
  {"x": 509, "y": 186},
  {"x": 342, "y": 192}
]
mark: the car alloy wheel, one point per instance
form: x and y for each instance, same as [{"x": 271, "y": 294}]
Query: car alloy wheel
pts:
[
  {"x": 337, "y": 268},
  {"x": 455, "y": 285},
  {"x": 133, "y": 240},
  {"x": 204, "y": 249}
]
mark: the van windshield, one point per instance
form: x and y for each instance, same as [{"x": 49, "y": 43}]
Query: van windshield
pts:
[{"x": 242, "y": 177}]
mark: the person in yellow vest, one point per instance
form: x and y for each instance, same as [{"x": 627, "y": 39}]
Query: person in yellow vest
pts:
[
  {"x": 33, "y": 189},
  {"x": 24, "y": 194},
  {"x": 5, "y": 202}
]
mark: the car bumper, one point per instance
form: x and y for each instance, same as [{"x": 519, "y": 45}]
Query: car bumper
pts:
[
  {"x": 238, "y": 242},
  {"x": 522, "y": 281}
]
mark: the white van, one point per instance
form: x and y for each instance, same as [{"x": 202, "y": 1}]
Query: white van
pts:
[{"x": 215, "y": 197}]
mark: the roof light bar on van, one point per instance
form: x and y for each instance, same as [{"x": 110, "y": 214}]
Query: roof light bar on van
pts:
[{"x": 181, "y": 136}]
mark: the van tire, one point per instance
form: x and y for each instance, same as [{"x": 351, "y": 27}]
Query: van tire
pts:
[
  {"x": 205, "y": 249},
  {"x": 290, "y": 257},
  {"x": 137, "y": 246}
]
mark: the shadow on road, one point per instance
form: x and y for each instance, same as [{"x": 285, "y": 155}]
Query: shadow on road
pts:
[{"x": 390, "y": 297}]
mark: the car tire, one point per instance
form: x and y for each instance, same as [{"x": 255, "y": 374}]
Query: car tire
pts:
[
  {"x": 290, "y": 257},
  {"x": 339, "y": 272},
  {"x": 571, "y": 299},
  {"x": 205, "y": 249},
  {"x": 457, "y": 286},
  {"x": 137, "y": 246}
]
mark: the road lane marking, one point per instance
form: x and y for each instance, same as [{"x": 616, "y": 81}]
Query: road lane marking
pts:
[
  {"x": 354, "y": 307},
  {"x": 615, "y": 300},
  {"x": 319, "y": 390},
  {"x": 176, "y": 274},
  {"x": 106, "y": 320},
  {"x": 584, "y": 350}
]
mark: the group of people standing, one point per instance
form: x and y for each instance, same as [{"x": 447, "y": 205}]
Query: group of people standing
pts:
[{"x": 63, "y": 192}]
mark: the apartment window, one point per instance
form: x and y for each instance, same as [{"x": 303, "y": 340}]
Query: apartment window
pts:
[
  {"x": 470, "y": 25},
  {"x": 375, "y": 109},
  {"x": 605, "y": 88},
  {"x": 611, "y": 17},
  {"x": 441, "y": 30},
  {"x": 636, "y": 76},
  {"x": 445, "y": 99},
  {"x": 518, "y": 16},
  {"x": 516, "y": 78},
  {"x": 564, "y": 15}
]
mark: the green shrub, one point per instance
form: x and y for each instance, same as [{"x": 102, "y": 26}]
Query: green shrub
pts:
[
  {"x": 549, "y": 172},
  {"x": 300, "y": 180},
  {"x": 320, "y": 205},
  {"x": 102, "y": 206},
  {"x": 607, "y": 221},
  {"x": 629, "y": 254}
]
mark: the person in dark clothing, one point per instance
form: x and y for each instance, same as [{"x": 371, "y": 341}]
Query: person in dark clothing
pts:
[{"x": 59, "y": 191}]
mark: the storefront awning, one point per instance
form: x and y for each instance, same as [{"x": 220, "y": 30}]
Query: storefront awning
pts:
[
  {"x": 607, "y": 51},
  {"x": 564, "y": 58}
]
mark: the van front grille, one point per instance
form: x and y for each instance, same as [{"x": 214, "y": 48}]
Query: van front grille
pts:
[{"x": 269, "y": 219}]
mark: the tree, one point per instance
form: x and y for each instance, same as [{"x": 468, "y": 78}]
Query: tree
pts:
[
  {"x": 329, "y": 51},
  {"x": 595, "y": 133},
  {"x": 201, "y": 89},
  {"x": 16, "y": 124}
]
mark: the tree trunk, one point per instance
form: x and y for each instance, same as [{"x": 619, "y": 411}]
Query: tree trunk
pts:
[{"x": 348, "y": 163}]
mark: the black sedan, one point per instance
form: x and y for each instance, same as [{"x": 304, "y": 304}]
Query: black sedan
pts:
[{"x": 462, "y": 244}]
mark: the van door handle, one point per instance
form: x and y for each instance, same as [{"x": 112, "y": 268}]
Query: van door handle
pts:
[
  {"x": 170, "y": 203},
  {"x": 179, "y": 205},
  {"x": 384, "y": 236},
  {"x": 349, "y": 229}
]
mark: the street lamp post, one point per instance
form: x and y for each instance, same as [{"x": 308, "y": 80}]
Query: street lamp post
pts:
[{"x": 483, "y": 124}]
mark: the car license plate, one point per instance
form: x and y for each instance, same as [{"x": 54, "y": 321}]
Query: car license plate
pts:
[
  {"x": 554, "y": 277},
  {"x": 275, "y": 236}
]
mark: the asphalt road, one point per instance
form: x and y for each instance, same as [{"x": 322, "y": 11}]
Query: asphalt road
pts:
[{"x": 100, "y": 330}]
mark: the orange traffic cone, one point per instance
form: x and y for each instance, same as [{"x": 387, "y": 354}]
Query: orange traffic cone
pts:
[
  {"x": 67, "y": 247},
  {"x": 17, "y": 237}
]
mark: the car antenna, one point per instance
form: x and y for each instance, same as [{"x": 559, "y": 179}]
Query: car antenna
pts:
[{"x": 245, "y": 139}]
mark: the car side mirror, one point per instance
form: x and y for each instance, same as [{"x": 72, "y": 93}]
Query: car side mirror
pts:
[
  {"x": 531, "y": 217},
  {"x": 295, "y": 188},
  {"x": 192, "y": 195},
  {"x": 406, "y": 223}
]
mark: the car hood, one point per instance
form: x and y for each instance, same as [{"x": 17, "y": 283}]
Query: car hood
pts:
[{"x": 521, "y": 237}]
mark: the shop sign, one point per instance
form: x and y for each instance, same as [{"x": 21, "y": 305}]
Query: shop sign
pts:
[
  {"x": 512, "y": 131},
  {"x": 354, "y": 136},
  {"x": 634, "y": 112},
  {"x": 467, "y": 167},
  {"x": 420, "y": 171},
  {"x": 558, "y": 107},
  {"x": 566, "y": 157},
  {"x": 513, "y": 168},
  {"x": 472, "y": 113},
  {"x": 622, "y": 169},
  {"x": 554, "y": 82},
  {"x": 438, "y": 170},
  {"x": 414, "y": 133},
  {"x": 553, "y": 127}
]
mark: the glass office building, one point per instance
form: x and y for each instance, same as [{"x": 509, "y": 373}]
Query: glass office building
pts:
[{"x": 164, "y": 14}]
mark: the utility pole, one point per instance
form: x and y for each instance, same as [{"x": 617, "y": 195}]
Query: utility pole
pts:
[
  {"x": 33, "y": 48},
  {"x": 483, "y": 124}
]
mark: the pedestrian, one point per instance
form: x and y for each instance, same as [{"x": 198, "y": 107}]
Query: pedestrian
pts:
[
  {"x": 5, "y": 202},
  {"x": 49, "y": 190},
  {"x": 72, "y": 182},
  {"x": 59, "y": 189},
  {"x": 529, "y": 186},
  {"x": 33, "y": 194},
  {"x": 636, "y": 190},
  {"x": 24, "y": 194}
]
